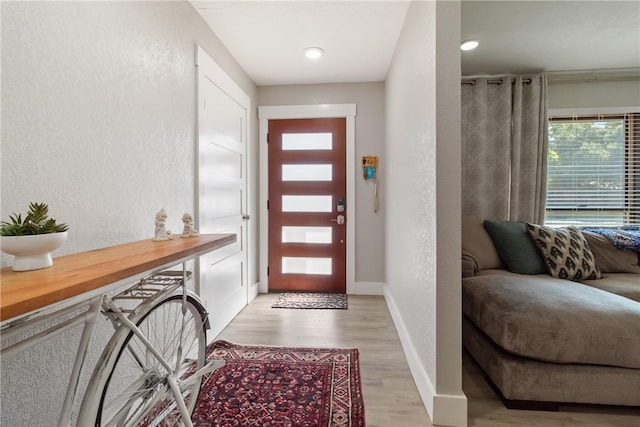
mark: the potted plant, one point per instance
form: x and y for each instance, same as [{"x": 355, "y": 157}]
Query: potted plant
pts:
[{"x": 32, "y": 239}]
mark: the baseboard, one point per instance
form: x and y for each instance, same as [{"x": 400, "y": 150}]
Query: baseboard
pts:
[
  {"x": 450, "y": 410},
  {"x": 358, "y": 288},
  {"x": 253, "y": 291},
  {"x": 443, "y": 409},
  {"x": 423, "y": 382},
  {"x": 367, "y": 288}
]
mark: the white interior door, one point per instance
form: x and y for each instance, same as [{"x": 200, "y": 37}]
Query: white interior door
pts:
[{"x": 222, "y": 191}]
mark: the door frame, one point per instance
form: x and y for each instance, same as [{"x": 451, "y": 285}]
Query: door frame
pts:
[{"x": 277, "y": 112}]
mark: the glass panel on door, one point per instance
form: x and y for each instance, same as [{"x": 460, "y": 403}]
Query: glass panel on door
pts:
[
  {"x": 306, "y": 234},
  {"x": 307, "y": 141},
  {"x": 302, "y": 172},
  {"x": 307, "y": 203},
  {"x": 306, "y": 265}
]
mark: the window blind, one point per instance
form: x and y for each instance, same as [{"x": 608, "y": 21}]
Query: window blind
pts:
[{"x": 593, "y": 175}]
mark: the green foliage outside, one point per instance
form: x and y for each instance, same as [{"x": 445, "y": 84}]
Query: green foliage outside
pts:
[
  {"x": 586, "y": 164},
  {"x": 36, "y": 221}
]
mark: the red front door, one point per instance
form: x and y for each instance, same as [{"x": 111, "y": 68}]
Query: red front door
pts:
[{"x": 307, "y": 205}]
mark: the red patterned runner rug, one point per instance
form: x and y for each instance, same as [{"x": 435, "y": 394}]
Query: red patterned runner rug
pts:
[{"x": 266, "y": 386}]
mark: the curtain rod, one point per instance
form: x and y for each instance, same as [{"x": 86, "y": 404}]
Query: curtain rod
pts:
[{"x": 494, "y": 82}]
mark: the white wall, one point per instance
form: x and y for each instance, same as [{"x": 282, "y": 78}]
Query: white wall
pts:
[
  {"x": 369, "y": 129},
  {"x": 423, "y": 204},
  {"x": 98, "y": 120},
  {"x": 598, "y": 94}
]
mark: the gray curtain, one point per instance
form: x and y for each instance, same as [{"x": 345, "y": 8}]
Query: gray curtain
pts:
[{"x": 504, "y": 147}]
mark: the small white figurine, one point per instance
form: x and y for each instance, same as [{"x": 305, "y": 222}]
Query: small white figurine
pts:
[
  {"x": 161, "y": 232},
  {"x": 188, "y": 230}
]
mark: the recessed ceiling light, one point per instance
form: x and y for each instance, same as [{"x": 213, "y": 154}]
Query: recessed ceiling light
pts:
[
  {"x": 469, "y": 45},
  {"x": 313, "y": 52}
]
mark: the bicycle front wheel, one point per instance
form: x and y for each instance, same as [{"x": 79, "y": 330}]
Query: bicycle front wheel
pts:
[{"x": 135, "y": 388}]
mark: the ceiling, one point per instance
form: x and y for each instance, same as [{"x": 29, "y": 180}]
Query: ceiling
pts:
[
  {"x": 526, "y": 36},
  {"x": 268, "y": 38}
]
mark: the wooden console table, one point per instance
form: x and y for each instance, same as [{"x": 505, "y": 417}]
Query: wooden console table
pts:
[
  {"x": 78, "y": 285},
  {"x": 72, "y": 275}
]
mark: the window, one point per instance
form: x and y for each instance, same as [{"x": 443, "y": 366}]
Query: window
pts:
[{"x": 593, "y": 175}]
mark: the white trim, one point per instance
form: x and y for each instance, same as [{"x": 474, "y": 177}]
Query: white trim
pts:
[
  {"x": 443, "y": 409},
  {"x": 266, "y": 113},
  {"x": 306, "y": 111},
  {"x": 425, "y": 387},
  {"x": 592, "y": 111},
  {"x": 450, "y": 410},
  {"x": 351, "y": 196},
  {"x": 368, "y": 288},
  {"x": 224, "y": 82},
  {"x": 254, "y": 290},
  {"x": 359, "y": 288},
  {"x": 263, "y": 166}
]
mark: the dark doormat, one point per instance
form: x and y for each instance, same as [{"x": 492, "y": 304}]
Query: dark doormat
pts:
[{"x": 311, "y": 300}]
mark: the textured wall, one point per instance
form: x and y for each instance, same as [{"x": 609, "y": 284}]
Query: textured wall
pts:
[
  {"x": 423, "y": 203},
  {"x": 411, "y": 181},
  {"x": 369, "y": 98},
  {"x": 98, "y": 120}
]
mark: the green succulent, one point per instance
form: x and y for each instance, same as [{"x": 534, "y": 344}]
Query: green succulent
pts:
[{"x": 36, "y": 221}]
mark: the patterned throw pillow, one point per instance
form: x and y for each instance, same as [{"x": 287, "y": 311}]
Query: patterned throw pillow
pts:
[{"x": 566, "y": 252}]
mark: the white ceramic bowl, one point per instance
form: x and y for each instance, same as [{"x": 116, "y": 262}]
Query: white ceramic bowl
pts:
[{"x": 32, "y": 252}]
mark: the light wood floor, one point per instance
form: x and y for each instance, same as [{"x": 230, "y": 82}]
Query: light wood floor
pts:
[{"x": 390, "y": 395}]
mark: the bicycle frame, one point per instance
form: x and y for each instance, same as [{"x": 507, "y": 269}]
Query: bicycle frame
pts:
[
  {"x": 88, "y": 318},
  {"x": 147, "y": 303},
  {"x": 95, "y": 303}
]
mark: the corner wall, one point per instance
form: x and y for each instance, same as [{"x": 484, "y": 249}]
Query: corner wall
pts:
[
  {"x": 423, "y": 204},
  {"x": 99, "y": 121}
]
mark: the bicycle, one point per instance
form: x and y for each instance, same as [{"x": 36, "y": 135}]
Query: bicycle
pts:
[{"x": 151, "y": 369}]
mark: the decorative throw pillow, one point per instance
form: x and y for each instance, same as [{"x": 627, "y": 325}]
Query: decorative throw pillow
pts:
[
  {"x": 566, "y": 252},
  {"x": 516, "y": 249},
  {"x": 610, "y": 259}
]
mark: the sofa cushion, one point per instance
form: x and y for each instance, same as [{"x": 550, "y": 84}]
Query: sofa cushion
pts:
[
  {"x": 609, "y": 258},
  {"x": 623, "y": 284},
  {"x": 478, "y": 251},
  {"x": 566, "y": 252},
  {"x": 515, "y": 247},
  {"x": 520, "y": 378},
  {"x": 554, "y": 320}
]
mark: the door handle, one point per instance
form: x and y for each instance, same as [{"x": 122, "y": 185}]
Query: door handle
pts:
[
  {"x": 246, "y": 217},
  {"x": 339, "y": 219}
]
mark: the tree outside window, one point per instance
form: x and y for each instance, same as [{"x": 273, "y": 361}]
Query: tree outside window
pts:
[{"x": 592, "y": 171}]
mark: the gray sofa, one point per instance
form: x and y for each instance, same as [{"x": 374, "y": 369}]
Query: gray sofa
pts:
[{"x": 543, "y": 341}]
